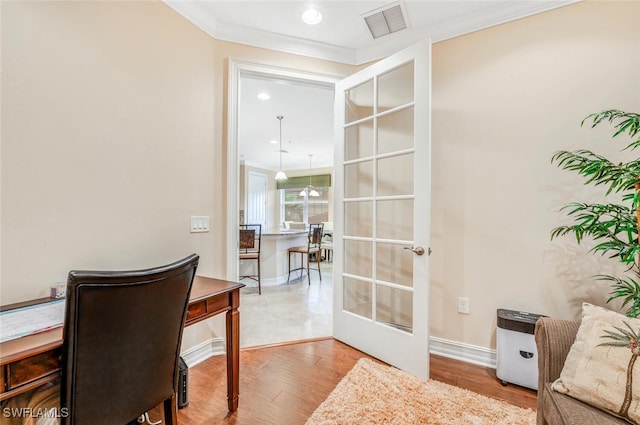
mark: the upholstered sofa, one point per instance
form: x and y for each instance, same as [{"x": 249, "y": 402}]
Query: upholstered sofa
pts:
[{"x": 554, "y": 338}]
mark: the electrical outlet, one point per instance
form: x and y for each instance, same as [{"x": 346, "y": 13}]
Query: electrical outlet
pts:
[{"x": 463, "y": 305}]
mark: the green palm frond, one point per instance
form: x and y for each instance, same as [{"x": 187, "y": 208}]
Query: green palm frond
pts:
[
  {"x": 627, "y": 289},
  {"x": 598, "y": 170},
  {"x": 629, "y": 122},
  {"x": 613, "y": 228}
]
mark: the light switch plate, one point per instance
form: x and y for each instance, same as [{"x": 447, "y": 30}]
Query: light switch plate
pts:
[{"x": 199, "y": 224}]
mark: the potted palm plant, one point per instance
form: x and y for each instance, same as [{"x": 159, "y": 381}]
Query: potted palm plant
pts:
[{"x": 613, "y": 227}]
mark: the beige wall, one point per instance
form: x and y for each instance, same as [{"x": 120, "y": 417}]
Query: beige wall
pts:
[
  {"x": 504, "y": 100},
  {"x": 113, "y": 134},
  {"x": 107, "y": 144}
]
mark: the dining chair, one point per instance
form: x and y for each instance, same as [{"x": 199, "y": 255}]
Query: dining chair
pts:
[
  {"x": 250, "y": 241},
  {"x": 311, "y": 252},
  {"x": 122, "y": 334},
  {"x": 327, "y": 240}
]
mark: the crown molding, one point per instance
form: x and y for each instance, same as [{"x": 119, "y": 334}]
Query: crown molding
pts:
[
  {"x": 282, "y": 43},
  {"x": 492, "y": 16},
  {"x": 196, "y": 14},
  {"x": 201, "y": 18}
]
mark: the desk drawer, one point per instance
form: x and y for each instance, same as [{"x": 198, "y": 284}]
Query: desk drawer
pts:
[
  {"x": 197, "y": 310},
  {"x": 218, "y": 304},
  {"x": 32, "y": 368}
]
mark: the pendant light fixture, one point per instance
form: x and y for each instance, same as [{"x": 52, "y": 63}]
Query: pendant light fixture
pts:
[
  {"x": 280, "y": 175},
  {"x": 309, "y": 190}
]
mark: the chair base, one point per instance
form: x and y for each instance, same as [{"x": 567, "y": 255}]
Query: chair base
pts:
[
  {"x": 255, "y": 278},
  {"x": 302, "y": 273},
  {"x": 301, "y": 268},
  {"x": 328, "y": 254}
]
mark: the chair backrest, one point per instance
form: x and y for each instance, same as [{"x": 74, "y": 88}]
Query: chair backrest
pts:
[
  {"x": 327, "y": 233},
  {"x": 250, "y": 238},
  {"x": 122, "y": 336},
  {"x": 315, "y": 235}
]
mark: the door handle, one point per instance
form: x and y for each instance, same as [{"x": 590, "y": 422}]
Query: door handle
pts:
[{"x": 418, "y": 250}]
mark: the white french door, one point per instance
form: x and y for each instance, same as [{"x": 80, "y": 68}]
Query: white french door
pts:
[{"x": 382, "y": 198}]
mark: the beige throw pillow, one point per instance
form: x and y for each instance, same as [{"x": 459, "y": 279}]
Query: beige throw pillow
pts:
[{"x": 602, "y": 368}]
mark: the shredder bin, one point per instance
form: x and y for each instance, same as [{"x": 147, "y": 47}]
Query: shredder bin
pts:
[{"x": 516, "y": 352}]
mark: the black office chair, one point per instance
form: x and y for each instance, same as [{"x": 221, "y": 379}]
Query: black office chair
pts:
[{"x": 122, "y": 335}]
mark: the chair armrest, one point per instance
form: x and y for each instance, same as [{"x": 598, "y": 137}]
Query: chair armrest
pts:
[{"x": 554, "y": 338}]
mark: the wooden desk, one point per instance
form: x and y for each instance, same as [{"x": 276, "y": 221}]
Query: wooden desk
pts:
[{"x": 33, "y": 360}]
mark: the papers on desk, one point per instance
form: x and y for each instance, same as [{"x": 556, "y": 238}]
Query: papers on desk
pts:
[{"x": 19, "y": 322}]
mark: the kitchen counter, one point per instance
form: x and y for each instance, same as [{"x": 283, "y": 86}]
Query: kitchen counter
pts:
[
  {"x": 274, "y": 261},
  {"x": 282, "y": 232}
]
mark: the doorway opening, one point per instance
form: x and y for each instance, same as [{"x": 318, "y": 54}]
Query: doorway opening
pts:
[{"x": 295, "y": 310}]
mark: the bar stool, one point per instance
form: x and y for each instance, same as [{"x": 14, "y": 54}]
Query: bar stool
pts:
[
  {"x": 314, "y": 241},
  {"x": 250, "y": 238}
]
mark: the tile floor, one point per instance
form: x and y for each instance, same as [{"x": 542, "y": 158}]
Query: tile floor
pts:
[{"x": 287, "y": 312}]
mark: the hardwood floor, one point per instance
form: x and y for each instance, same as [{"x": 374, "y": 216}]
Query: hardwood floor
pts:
[
  {"x": 284, "y": 384},
  {"x": 481, "y": 380}
]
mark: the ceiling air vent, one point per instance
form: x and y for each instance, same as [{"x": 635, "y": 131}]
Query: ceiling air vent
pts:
[{"x": 386, "y": 21}]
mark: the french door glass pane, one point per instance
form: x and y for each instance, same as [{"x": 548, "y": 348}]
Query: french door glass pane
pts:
[
  {"x": 394, "y": 307},
  {"x": 395, "y": 175},
  {"x": 358, "y": 141},
  {"x": 357, "y": 296},
  {"x": 359, "y": 102},
  {"x": 389, "y": 226},
  {"x": 395, "y": 88},
  {"x": 394, "y": 264},
  {"x": 358, "y": 180},
  {"x": 395, "y": 131},
  {"x": 358, "y": 258},
  {"x": 358, "y": 219}
]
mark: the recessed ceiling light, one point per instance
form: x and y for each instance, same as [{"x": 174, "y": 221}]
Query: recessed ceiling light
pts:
[
  {"x": 312, "y": 17},
  {"x": 274, "y": 142},
  {"x": 263, "y": 96}
]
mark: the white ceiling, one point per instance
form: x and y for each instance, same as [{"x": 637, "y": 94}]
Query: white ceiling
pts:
[
  {"x": 307, "y": 126},
  {"x": 342, "y": 36}
]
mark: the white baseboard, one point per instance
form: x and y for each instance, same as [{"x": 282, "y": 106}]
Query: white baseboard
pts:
[
  {"x": 438, "y": 346},
  {"x": 464, "y": 352},
  {"x": 201, "y": 352},
  {"x": 274, "y": 281}
]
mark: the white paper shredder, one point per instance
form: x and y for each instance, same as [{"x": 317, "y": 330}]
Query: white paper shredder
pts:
[{"x": 516, "y": 353}]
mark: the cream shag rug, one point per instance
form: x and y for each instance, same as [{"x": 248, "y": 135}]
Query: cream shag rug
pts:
[{"x": 373, "y": 394}]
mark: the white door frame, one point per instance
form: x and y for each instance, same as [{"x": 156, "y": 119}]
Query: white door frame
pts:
[{"x": 236, "y": 70}]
